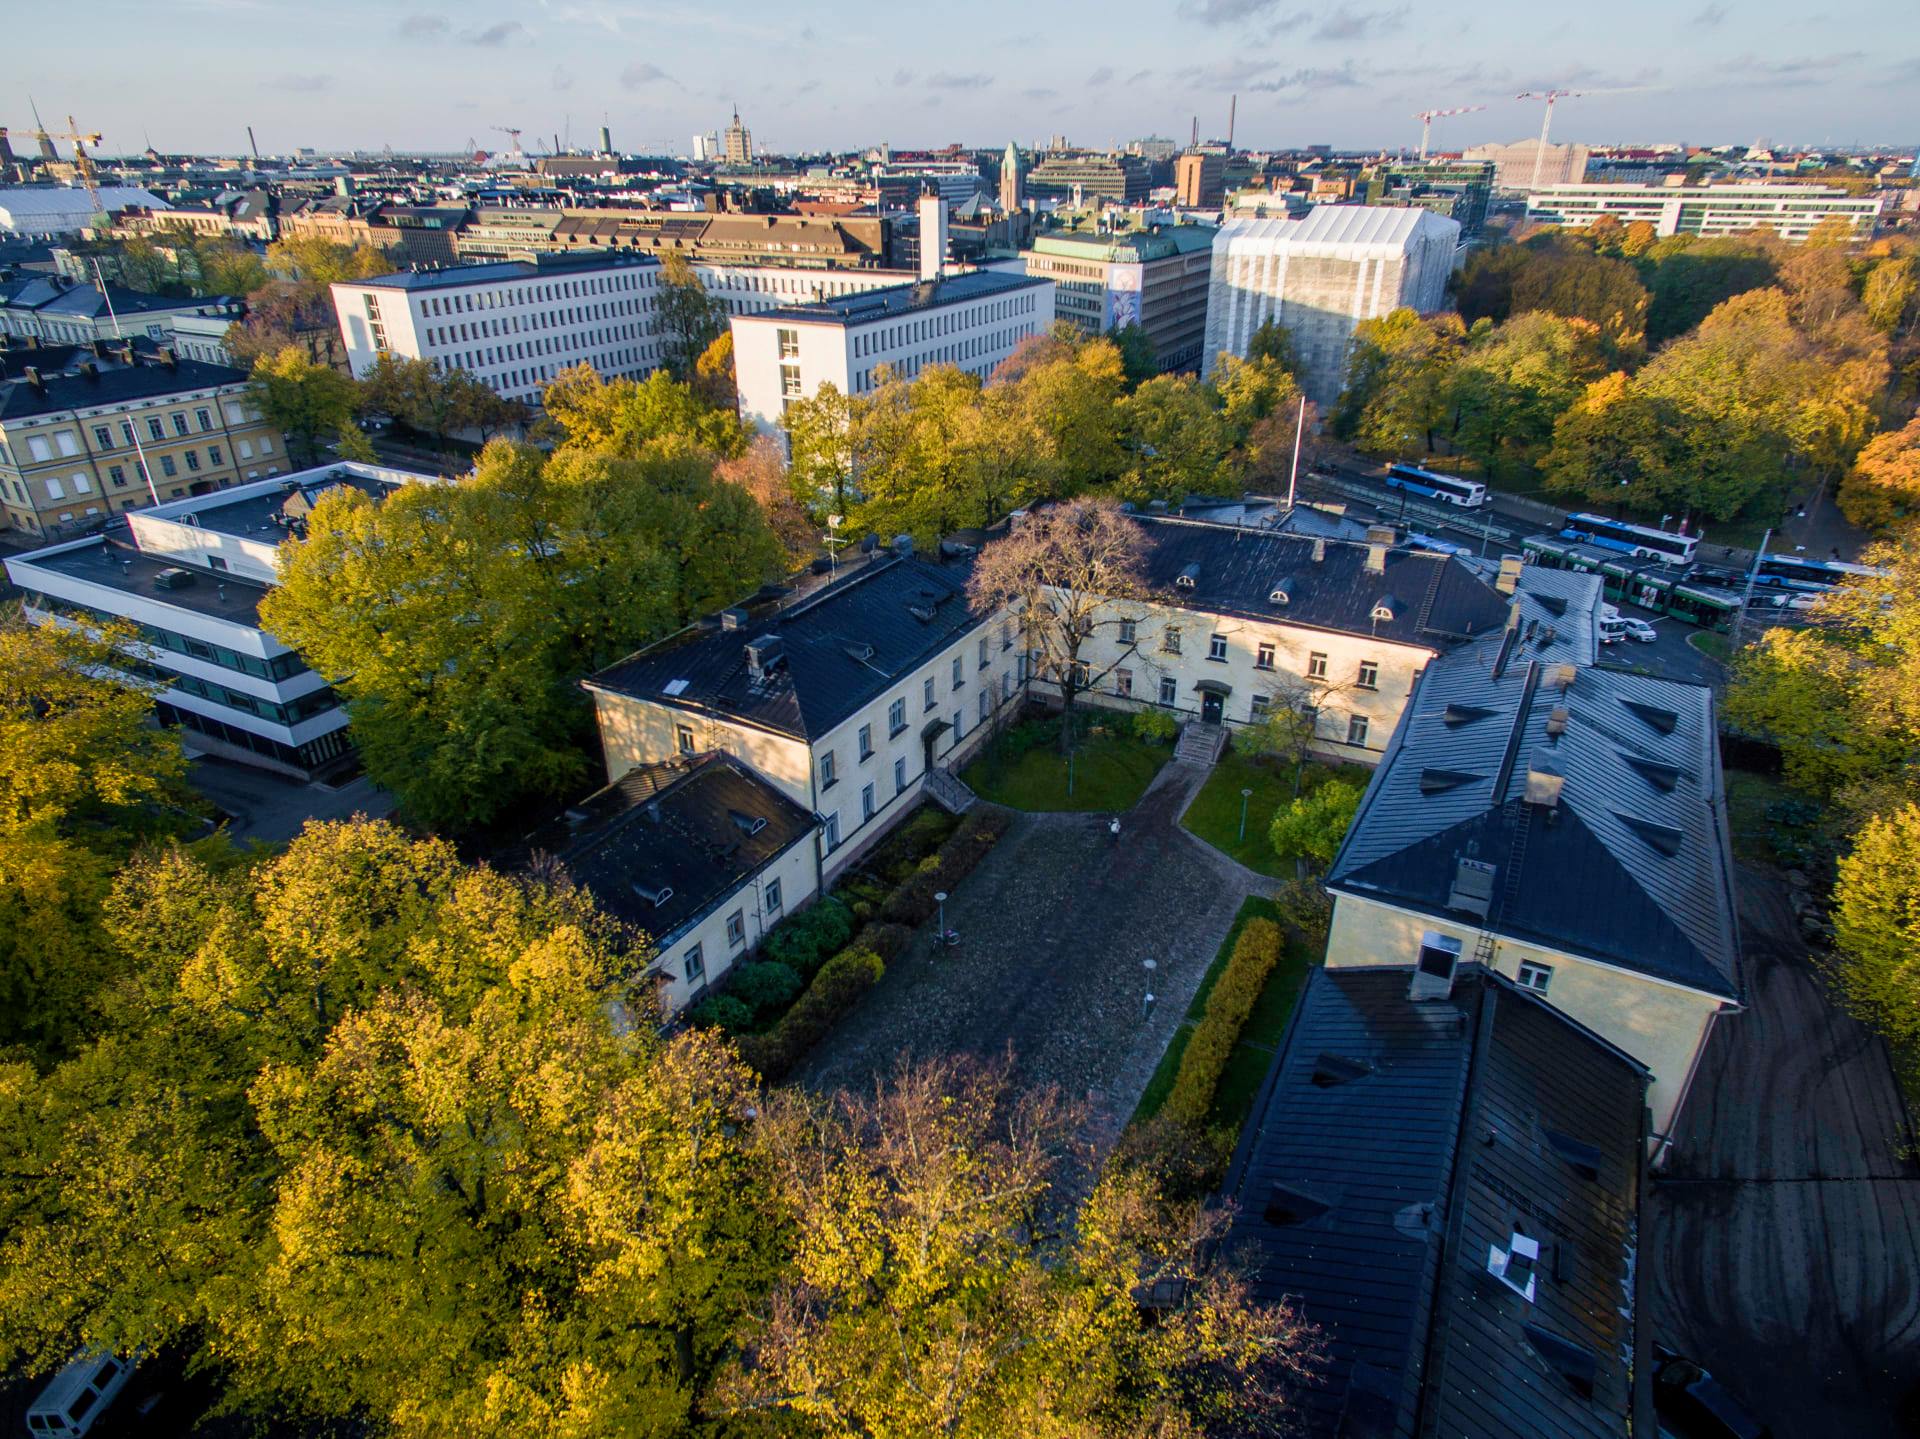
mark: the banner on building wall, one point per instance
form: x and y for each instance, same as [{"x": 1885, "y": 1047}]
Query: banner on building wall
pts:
[{"x": 1124, "y": 284}]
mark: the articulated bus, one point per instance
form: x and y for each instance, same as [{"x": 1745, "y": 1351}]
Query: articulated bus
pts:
[
  {"x": 1813, "y": 576},
  {"x": 1668, "y": 549},
  {"x": 1467, "y": 494}
]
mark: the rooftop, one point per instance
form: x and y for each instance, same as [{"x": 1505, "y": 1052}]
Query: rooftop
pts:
[
  {"x": 1126, "y": 246},
  {"x": 1627, "y": 860},
  {"x": 893, "y": 301},
  {"x": 1396, "y": 1147},
  {"x": 259, "y": 511},
  {"x": 1338, "y": 229},
  {"x": 494, "y": 272},
  {"x": 109, "y": 383},
  {"x": 112, "y": 560}
]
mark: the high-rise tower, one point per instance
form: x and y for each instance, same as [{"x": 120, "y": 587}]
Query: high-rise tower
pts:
[{"x": 1013, "y": 191}]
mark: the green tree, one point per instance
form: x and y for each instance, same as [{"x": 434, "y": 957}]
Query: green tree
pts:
[
  {"x": 713, "y": 377},
  {"x": 311, "y": 261},
  {"x": 1889, "y": 293},
  {"x": 1273, "y": 341},
  {"x": 1177, "y": 439},
  {"x": 822, "y": 438},
  {"x": 628, "y": 417},
  {"x": 1396, "y": 401},
  {"x": 305, "y": 400},
  {"x": 1615, "y": 447},
  {"x": 1560, "y": 275},
  {"x": 1136, "y": 352},
  {"x": 1313, "y": 825},
  {"x": 690, "y": 319},
  {"x": 1070, "y": 389},
  {"x": 1514, "y": 381},
  {"x": 934, "y": 1290},
  {"x": 1688, "y": 278},
  {"x": 1876, "y": 921}
]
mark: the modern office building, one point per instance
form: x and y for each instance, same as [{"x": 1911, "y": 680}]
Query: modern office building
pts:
[
  {"x": 1200, "y": 180},
  {"x": 1122, "y": 178},
  {"x": 514, "y": 324},
  {"x": 973, "y": 321},
  {"x": 1457, "y": 190},
  {"x": 1792, "y": 212},
  {"x": 89, "y": 431},
  {"x": 1320, "y": 276},
  {"x": 1154, "y": 277},
  {"x": 1521, "y": 166},
  {"x": 189, "y": 577}
]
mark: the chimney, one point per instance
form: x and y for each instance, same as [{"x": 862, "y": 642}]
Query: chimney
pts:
[
  {"x": 1509, "y": 580},
  {"x": 903, "y": 544},
  {"x": 1543, "y": 784},
  {"x": 733, "y": 618},
  {"x": 1379, "y": 541},
  {"x": 1319, "y": 551},
  {"x": 933, "y": 236},
  {"x": 763, "y": 655},
  {"x": 1433, "y": 971},
  {"x": 31, "y": 374},
  {"x": 1560, "y": 676}
]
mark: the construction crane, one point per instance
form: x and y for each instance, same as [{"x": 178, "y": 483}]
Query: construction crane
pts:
[
  {"x": 1540, "y": 155},
  {"x": 1427, "y": 117},
  {"x": 82, "y": 161},
  {"x": 512, "y": 134}
]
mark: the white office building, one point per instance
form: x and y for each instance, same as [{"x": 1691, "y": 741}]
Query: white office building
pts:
[
  {"x": 1320, "y": 276},
  {"x": 1791, "y": 211},
  {"x": 513, "y": 324},
  {"x": 972, "y": 321},
  {"x": 189, "y": 576},
  {"x": 755, "y": 289}
]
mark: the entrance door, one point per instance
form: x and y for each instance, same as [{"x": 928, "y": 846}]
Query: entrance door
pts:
[{"x": 1210, "y": 706}]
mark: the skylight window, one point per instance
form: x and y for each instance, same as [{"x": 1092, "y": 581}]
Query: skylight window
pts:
[
  {"x": 1439, "y": 781},
  {"x": 674, "y": 687},
  {"x": 1661, "y": 721},
  {"x": 1516, "y": 1266},
  {"x": 1661, "y": 838}
]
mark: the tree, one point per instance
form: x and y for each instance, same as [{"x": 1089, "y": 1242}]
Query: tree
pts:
[
  {"x": 689, "y": 318},
  {"x": 1884, "y": 484},
  {"x": 1514, "y": 381},
  {"x": 628, "y": 417},
  {"x": 1561, "y": 275},
  {"x": 941, "y": 1290},
  {"x": 1136, "y": 352},
  {"x": 1687, "y": 278},
  {"x": 281, "y": 313},
  {"x": 713, "y": 378},
  {"x": 305, "y": 400},
  {"x": 1614, "y": 447},
  {"x": 85, "y": 777},
  {"x": 1273, "y": 341},
  {"x": 1396, "y": 399},
  {"x": 822, "y": 431},
  {"x": 1889, "y": 292},
  {"x": 1876, "y": 921},
  {"x": 317, "y": 263},
  {"x": 762, "y": 473},
  {"x": 1314, "y": 824},
  {"x": 1069, "y": 392},
  {"x": 1177, "y": 438},
  {"x": 1060, "y": 572}
]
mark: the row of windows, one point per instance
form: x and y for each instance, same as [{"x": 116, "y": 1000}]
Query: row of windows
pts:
[
  {"x": 912, "y": 332},
  {"x": 65, "y": 444},
  {"x": 314, "y": 752},
  {"x": 1259, "y": 706},
  {"x": 994, "y": 347},
  {"x": 897, "y": 710},
  {"x": 290, "y": 713},
  {"x": 528, "y": 293},
  {"x": 1366, "y": 673},
  {"x": 281, "y": 667},
  {"x": 570, "y": 318},
  {"x": 693, "y": 963}
]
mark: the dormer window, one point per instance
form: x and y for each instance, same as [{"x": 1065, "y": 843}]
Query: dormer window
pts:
[
  {"x": 1188, "y": 577},
  {"x": 1516, "y": 1265}
]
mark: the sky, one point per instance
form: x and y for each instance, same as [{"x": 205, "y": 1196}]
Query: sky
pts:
[{"x": 431, "y": 74}]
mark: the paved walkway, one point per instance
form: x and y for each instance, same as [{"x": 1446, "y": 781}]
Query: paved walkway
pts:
[
  {"x": 1785, "y": 1242},
  {"x": 1055, "y": 928}
]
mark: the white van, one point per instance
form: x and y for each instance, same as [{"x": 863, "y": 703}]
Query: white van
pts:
[
  {"x": 78, "y": 1395},
  {"x": 1615, "y": 627}
]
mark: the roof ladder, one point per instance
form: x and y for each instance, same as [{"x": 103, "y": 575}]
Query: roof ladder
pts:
[
  {"x": 1516, "y": 857},
  {"x": 1426, "y": 604}
]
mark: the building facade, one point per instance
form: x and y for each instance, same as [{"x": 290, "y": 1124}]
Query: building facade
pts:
[
  {"x": 189, "y": 577},
  {"x": 104, "y": 429},
  {"x": 973, "y": 321},
  {"x": 738, "y": 148},
  {"x": 514, "y": 324},
  {"x": 1457, "y": 190},
  {"x": 1792, "y": 212},
  {"x": 1319, "y": 277},
  {"x": 1013, "y": 179},
  {"x": 1523, "y": 165},
  {"x": 62, "y": 310},
  {"x": 1126, "y": 179},
  {"x": 1156, "y": 278},
  {"x": 1200, "y": 180}
]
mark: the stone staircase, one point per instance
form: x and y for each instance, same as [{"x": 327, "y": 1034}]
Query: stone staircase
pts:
[
  {"x": 949, "y": 791},
  {"x": 1200, "y": 744}
]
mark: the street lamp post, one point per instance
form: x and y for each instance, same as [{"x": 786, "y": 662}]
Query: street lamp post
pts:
[
  {"x": 1245, "y": 795},
  {"x": 940, "y": 898}
]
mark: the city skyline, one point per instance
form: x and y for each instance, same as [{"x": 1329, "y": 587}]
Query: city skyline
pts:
[{"x": 1352, "y": 75}]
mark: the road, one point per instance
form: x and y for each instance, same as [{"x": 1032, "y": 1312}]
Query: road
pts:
[{"x": 265, "y": 806}]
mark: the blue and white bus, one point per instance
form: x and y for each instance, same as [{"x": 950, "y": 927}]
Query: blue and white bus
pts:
[
  {"x": 1668, "y": 549},
  {"x": 1467, "y": 494},
  {"x": 1812, "y": 576}
]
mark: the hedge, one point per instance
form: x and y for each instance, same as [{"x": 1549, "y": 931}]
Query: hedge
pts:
[
  {"x": 835, "y": 989},
  {"x": 810, "y": 936},
  {"x": 913, "y": 903},
  {"x": 1211, "y": 1043}
]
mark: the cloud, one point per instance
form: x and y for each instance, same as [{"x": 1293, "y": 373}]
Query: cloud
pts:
[
  {"x": 1040, "y": 92},
  {"x": 947, "y": 80},
  {"x": 1806, "y": 70},
  {"x": 1308, "y": 81},
  {"x": 1102, "y": 76},
  {"x": 808, "y": 88},
  {"x": 496, "y": 35},
  {"x": 1226, "y": 74},
  {"x": 302, "y": 84},
  {"x": 1711, "y": 16},
  {"x": 639, "y": 75},
  {"x": 806, "y": 36},
  {"x": 1139, "y": 77},
  {"x": 424, "y": 27},
  {"x": 903, "y": 78},
  {"x": 562, "y": 78},
  {"x": 1347, "y": 24},
  {"x": 1225, "y": 12}
]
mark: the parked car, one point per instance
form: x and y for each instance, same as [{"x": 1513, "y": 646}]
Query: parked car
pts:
[
  {"x": 1692, "y": 1404},
  {"x": 1615, "y": 627},
  {"x": 79, "y": 1394}
]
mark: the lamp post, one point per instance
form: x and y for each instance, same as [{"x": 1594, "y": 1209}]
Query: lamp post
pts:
[
  {"x": 940, "y": 898},
  {"x": 1069, "y": 771},
  {"x": 1245, "y": 795}
]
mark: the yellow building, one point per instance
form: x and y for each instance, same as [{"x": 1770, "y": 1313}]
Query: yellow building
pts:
[{"x": 86, "y": 432}]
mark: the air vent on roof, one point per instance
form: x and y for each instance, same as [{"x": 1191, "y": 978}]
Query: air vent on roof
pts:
[
  {"x": 576, "y": 815},
  {"x": 1515, "y": 1265},
  {"x": 764, "y": 655},
  {"x": 1472, "y": 887},
  {"x": 1655, "y": 718},
  {"x": 1572, "y": 1362},
  {"x": 1544, "y": 784},
  {"x": 1557, "y": 720},
  {"x": 1662, "y": 777},
  {"x": 746, "y": 823},
  {"x": 1334, "y": 1069},
  {"x": 1580, "y": 1156},
  {"x": 1188, "y": 577},
  {"x": 1287, "y": 1205},
  {"x": 1439, "y": 781},
  {"x": 1456, "y": 715},
  {"x": 860, "y": 654},
  {"x": 655, "y": 895},
  {"x": 1663, "y": 838},
  {"x": 922, "y": 613},
  {"x": 733, "y": 618},
  {"x": 173, "y": 578},
  {"x": 1552, "y": 604}
]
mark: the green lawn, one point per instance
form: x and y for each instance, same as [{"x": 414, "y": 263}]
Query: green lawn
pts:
[
  {"x": 1268, "y": 1022},
  {"x": 1712, "y": 644},
  {"x": 1111, "y": 771},
  {"x": 1214, "y": 814}
]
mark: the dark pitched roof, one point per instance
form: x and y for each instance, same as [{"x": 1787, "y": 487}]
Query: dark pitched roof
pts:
[
  {"x": 1630, "y": 866},
  {"x": 841, "y": 648},
  {"x": 693, "y": 828},
  {"x": 1435, "y": 600},
  {"x": 1369, "y": 1194},
  {"x": 111, "y": 384}
]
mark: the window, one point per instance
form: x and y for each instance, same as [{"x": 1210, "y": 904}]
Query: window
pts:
[
  {"x": 926, "y": 693},
  {"x": 789, "y": 341},
  {"x": 1535, "y": 977},
  {"x": 866, "y": 742},
  {"x": 55, "y": 490},
  {"x": 737, "y": 929},
  {"x": 683, "y": 737},
  {"x": 213, "y": 456},
  {"x": 1316, "y": 666},
  {"x": 167, "y": 466},
  {"x": 986, "y": 702},
  {"x": 1123, "y": 683},
  {"x": 867, "y": 805},
  {"x": 38, "y": 447},
  {"x": 1263, "y": 656},
  {"x": 695, "y": 965},
  {"x": 827, "y": 776},
  {"x": 66, "y": 443},
  {"x": 833, "y": 831},
  {"x": 1170, "y": 640},
  {"x": 983, "y": 653},
  {"x": 1006, "y": 635},
  {"x": 1368, "y": 677},
  {"x": 1079, "y": 674},
  {"x": 1168, "y": 691},
  {"x": 1259, "y": 707},
  {"x": 899, "y": 776},
  {"x": 771, "y": 896},
  {"x": 1126, "y": 632},
  {"x": 896, "y": 718},
  {"x": 193, "y": 459},
  {"x": 205, "y": 417},
  {"x": 790, "y": 382},
  {"x": 117, "y": 475},
  {"x": 1356, "y": 729},
  {"x": 155, "y": 429},
  {"x": 959, "y": 672},
  {"x": 1217, "y": 648},
  {"x": 103, "y": 437},
  {"x": 180, "y": 425}
]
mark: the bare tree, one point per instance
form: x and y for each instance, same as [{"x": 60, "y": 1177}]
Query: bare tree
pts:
[{"x": 1060, "y": 573}]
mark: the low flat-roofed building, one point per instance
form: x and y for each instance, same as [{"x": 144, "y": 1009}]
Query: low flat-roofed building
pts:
[{"x": 1791, "y": 211}]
